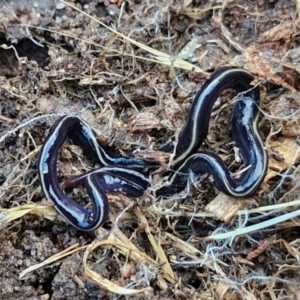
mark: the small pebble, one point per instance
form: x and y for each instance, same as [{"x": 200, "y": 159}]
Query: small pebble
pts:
[{"x": 60, "y": 5}]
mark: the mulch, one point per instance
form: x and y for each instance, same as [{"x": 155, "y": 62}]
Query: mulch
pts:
[{"x": 131, "y": 69}]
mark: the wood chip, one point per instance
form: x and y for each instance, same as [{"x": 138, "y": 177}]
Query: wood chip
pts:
[
  {"x": 224, "y": 207},
  {"x": 221, "y": 289}
]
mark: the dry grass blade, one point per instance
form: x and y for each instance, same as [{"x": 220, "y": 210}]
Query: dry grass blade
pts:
[
  {"x": 193, "y": 253},
  {"x": 137, "y": 255},
  {"x": 158, "y": 56},
  {"x": 254, "y": 228},
  {"x": 100, "y": 280},
  {"x": 14, "y": 213},
  {"x": 54, "y": 258},
  {"x": 168, "y": 272},
  {"x": 121, "y": 66},
  {"x": 269, "y": 208}
]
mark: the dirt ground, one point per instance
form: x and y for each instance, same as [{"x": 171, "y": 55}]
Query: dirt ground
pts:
[{"x": 131, "y": 69}]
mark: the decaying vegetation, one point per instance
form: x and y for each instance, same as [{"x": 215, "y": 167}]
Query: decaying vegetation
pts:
[{"x": 131, "y": 69}]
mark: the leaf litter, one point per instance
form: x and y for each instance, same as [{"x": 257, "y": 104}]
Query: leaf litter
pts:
[{"x": 131, "y": 70}]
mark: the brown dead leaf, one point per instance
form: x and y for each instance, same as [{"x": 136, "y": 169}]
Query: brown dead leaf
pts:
[
  {"x": 291, "y": 129},
  {"x": 145, "y": 121},
  {"x": 287, "y": 112},
  {"x": 174, "y": 113},
  {"x": 257, "y": 64},
  {"x": 281, "y": 156},
  {"x": 262, "y": 246},
  {"x": 244, "y": 261},
  {"x": 279, "y": 32},
  {"x": 153, "y": 156}
]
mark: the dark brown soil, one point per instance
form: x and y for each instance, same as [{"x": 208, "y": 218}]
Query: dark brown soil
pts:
[{"x": 57, "y": 60}]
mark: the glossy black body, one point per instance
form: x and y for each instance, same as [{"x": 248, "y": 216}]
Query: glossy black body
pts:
[{"x": 129, "y": 175}]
